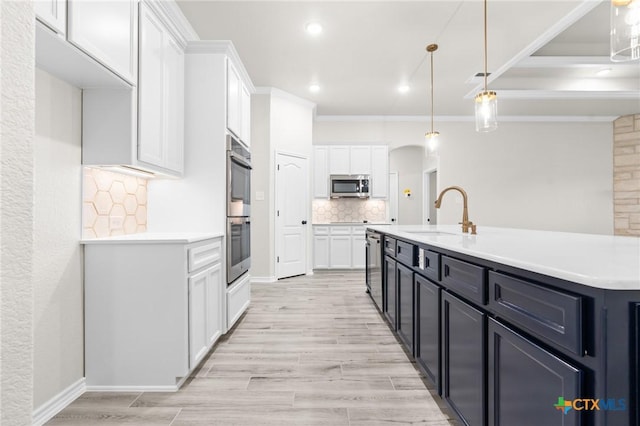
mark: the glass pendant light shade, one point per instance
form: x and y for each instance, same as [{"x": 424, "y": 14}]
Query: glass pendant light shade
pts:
[
  {"x": 431, "y": 142},
  {"x": 625, "y": 30},
  {"x": 486, "y": 111}
]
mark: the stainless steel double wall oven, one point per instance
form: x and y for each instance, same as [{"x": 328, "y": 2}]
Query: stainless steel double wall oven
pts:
[{"x": 238, "y": 209}]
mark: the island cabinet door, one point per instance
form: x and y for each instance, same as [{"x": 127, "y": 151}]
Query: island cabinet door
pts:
[
  {"x": 528, "y": 385},
  {"x": 404, "y": 279},
  {"x": 390, "y": 291},
  {"x": 427, "y": 304},
  {"x": 463, "y": 359}
]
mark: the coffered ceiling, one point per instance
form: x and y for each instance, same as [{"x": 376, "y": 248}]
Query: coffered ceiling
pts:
[{"x": 543, "y": 54}]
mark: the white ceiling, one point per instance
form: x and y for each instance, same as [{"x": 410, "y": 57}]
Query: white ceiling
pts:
[{"x": 543, "y": 54}]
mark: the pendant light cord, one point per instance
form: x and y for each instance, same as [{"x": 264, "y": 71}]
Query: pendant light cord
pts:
[
  {"x": 431, "y": 53},
  {"x": 485, "y": 45}
]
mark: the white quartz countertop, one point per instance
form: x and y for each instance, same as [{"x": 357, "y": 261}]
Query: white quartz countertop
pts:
[
  {"x": 348, "y": 223},
  {"x": 600, "y": 261},
  {"x": 154, "y": 238}
]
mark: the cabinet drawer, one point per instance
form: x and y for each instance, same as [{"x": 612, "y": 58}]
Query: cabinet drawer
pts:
[
  {"x": 390, "y": 246},
  {"x": 465, "y": 279},
  {"x": 429, "y": 264},
  {"x": 357, "y": 231},
  {"x": 548, "y": 313},
  {"x": 405, "y": 253},
  {"x": 204, "y": 254},
  {"x": 320, "y": 230},
  {"x": 340, "y": 230}
]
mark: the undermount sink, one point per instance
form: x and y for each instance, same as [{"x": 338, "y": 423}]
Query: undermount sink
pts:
[{"x": 430, "y": 233}]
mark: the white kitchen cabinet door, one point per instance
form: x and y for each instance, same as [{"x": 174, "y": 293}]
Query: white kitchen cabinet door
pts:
[
  {"x": 245, "y": 118},
  {"x": 174, "y": 115},
  {"x": 358, "y": 252},
  {"x": 321, "y": 252},
  {"x": 198, "y": 304},
  {"x": 233, "y": 99},
  {"x": 339, "y": 160},
  {"x": 214, "y": 303},
  {"x": 360, "y": 160},
  {"x": 320, "y": 172},
  {"x": 340, "y": 251},
  {"x": 379, "y": 172},
  {"x": 151, "y": 89},
  {"x": 107, "y": 31},
  {"x": 160, "y": 95},
  {"x": 52, "y": 13}
]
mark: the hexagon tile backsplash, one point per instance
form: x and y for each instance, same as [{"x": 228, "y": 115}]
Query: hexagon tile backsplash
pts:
[
  {"x": 112, "y": 204},
  {"x": 348, "y": 210}
]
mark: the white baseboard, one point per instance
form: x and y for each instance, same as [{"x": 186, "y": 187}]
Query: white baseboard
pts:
[
  {"x": 49, "y": 409},
  {"x": 169, "y": 388},
  {"x": 263, "y": 279}
]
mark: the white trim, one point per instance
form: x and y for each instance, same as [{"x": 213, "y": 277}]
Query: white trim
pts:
[
  {"x": 174, "y": 13},
  {"x": 49, "y": 409},
  {"x": 568, "y": 94},
  {"x": 171, "y": 388},
  {"x": 465, "y": 119},
  {"x": 569, "y": 19},
  {"x": 263, "y": 280},
  {"x": 277, "y": 93},
  {"x": 224, "y": 47},
  {"x": 568, "y": 62}
]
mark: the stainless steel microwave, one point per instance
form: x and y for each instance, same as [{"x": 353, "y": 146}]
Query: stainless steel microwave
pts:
[{"x": 349, "y": 186}]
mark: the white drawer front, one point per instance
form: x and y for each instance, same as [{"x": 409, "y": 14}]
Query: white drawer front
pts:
[
  {"x": 320, "y": 230},
  {"x": 204, "y": 255},
  {"x": 340, "y": 230}
]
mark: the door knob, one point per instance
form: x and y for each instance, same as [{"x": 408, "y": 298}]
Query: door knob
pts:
[{"x": 304, "y": 222}]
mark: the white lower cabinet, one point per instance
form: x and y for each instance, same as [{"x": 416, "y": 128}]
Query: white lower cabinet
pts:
[
  {"x": 338, "y": 247},
  {"x": 152, "y": 311}
]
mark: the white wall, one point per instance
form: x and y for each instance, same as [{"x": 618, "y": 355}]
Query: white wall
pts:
[
  {"x": 16, "y": 211},
  {"x": 57, "y": 271},
  {"x": 536, "y": 175},
  {"x": 407, "y": 161}
]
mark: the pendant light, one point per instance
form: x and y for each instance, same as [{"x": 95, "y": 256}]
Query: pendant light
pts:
[
  {"x": 486, "y": 101},
  {"x": 625, "y": 30},
  {"x": 431, "y": 138}
]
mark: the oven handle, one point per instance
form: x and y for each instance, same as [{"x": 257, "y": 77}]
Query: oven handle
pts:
[{"x": 239, "y": 159}]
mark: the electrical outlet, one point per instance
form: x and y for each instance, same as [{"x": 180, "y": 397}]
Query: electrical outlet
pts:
[{"x": 116, "y": 222}]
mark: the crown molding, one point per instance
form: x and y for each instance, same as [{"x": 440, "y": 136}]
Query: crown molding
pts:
[
  {"x": 568, "y": 94},
  {"x": 278, "y": 93},
  {"x": 177, "y": 23},
  {"x": 464, "y": 119}
]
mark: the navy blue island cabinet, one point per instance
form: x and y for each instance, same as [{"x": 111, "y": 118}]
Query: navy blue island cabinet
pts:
[{"x": 506, "y": 346}]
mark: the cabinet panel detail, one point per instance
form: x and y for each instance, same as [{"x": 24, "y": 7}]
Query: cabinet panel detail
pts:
[
  {"x": 464, "y": 278},
  {"x": 390, "y": 291},
  {"x": 463, "y": 359},
  {"x": 549, "y": 313},
  {"x": 405, "y": 253},
  {"x": 404, "y": 279},
  {"x": 427, "y": 321},
  {"x": 524, "y": 380},
  {"x": 429, "y": 264}
]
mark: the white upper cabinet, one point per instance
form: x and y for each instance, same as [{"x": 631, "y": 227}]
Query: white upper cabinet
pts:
[
  {"x": 160, "y": 95},
  {"x": 339, "y": 160},
  {"x": 320, "y": 169},
  {"x": 238, "y": 105},
  {"x": 360, "y": 160},
  {"x": 233, "y": 99},
  {"x": 379, "y": 171},
  {"x": 52, "y": 13},
  {"x": 107, "y": 31}
]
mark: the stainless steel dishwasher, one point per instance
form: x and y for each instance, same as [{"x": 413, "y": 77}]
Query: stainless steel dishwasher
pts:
[{"x": 374, "y": 267}]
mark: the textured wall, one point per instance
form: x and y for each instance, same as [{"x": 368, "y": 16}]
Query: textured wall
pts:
[
  {"x": 348, "y": 210},
  {"x": 626, "y": 175},
  {"x": 16, "y": 182},
  {"x": 57, "y": 272}
]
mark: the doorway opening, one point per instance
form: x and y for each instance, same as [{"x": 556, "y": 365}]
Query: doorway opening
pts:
[{"x": 430, "y": 194}]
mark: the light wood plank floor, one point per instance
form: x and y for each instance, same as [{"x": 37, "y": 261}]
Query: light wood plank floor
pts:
[{"x": 311, "y": 350}]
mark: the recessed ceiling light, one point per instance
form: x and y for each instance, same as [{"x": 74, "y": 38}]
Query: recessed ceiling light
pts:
[
  {"x": 313, "y": 28},
  {"x": 603, "y": 72},
  {"x": 403, "y": 88},
  {"x": 314, "y": 88}
]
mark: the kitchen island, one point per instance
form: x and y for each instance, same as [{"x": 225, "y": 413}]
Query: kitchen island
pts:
[{"x": 515, "y": 326}]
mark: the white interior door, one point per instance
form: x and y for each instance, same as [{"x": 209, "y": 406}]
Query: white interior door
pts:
[
  {"x": 430, "y": 193},
  {"x": 393, "y": 197},
  {"x": 291, "y": 215}
]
